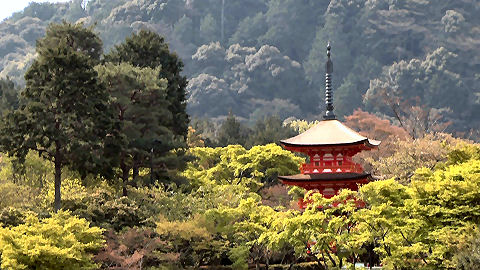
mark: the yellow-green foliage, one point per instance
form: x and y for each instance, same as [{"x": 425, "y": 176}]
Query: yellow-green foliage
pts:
[
  {"x": 419, "y": 226},
  {"x": 193, "y": 240},
  {"x": 300, "y": 125},
  {"x": 71, "y": 189},
  {"x": 18, "y": 196},
  {"x": 243, "y": 226},
  {"x": 236, "y": 165},
  {"x": 296, "y": 192},
  {"x": 59, "y": 242},
  {"x": 30, "y": 185},
  {"x": 464, "y": 152},
  {"x": 34, "y": 172},
  {"x": 329, "y": 231}
]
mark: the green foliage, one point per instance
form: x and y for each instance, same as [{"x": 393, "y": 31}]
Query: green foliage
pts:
[
  {"x": 43, "y": 11},
  {"x": 299, "y": 126},
  {"x": 324, "y": 235},
  {"x": 412, "y": 225},
  {"x": 104, "y": 209},
  {"x": 366, "y": 36},
  {"x": 242, "y": 226},
  {"x": 296, "y": 192},
  {"x": 240, "y": 77},
  {"x": 235, "y": 165},
  {"x": 269, "y": 130},
  {"x": 64, "y": 111},
  {"x": 419, "y": 82},
  {"x": 139, "y": 99},
  {"x": 18, "y": 196},
  {"x": 209, "y": 29},
  {"x": 463, "y": 153},
  {"x": 71, "y": 189},
  {"x": 191, "y": 240},
  {"x": 468, "y": 257},
  {"x": 231, "y": 132},
  {"x": 261, "y": 58},
  {"x": 148, "y": 49},
  {"x": 8, "y": 96},
  {"x": 61, "y": 241},
  {"x": 11, "y": 217},
  {"x": 34, "y": 172}
]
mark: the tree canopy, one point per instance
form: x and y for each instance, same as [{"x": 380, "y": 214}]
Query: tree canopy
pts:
[
  {"x": 64, "y": 110},
  {"x": 264, "y": 56}
]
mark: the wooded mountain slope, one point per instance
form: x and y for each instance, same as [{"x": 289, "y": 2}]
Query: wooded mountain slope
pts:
[{"x": 411, "y": 60}]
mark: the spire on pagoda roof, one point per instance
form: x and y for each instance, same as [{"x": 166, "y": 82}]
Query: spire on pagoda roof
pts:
[
  {"x": 329, "y": 115},
  {"x": 330, "y": 131}
]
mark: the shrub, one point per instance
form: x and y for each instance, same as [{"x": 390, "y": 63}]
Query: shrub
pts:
[
  {"x": 11, "y": 217},
  {"x": 135, "y": 248},
  {"x": 103, "y": 209},
  {"x": 62, "y": 241}
]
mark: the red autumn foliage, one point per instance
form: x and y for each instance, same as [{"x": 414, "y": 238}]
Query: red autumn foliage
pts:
[{"x": 374, "y": 127}]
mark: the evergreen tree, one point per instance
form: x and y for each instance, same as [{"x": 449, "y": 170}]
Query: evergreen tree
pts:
[
  {"x": 231, "y": 132},
  {"x": 269, "y": 130},
  {"x": 148, "y": 49},
  {"x": 139, "y": 99},
  {"x": 8, "y": 96},
  {"x": 63, "y": 113}
]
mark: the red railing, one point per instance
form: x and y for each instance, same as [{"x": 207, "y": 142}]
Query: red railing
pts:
[{"x": 309, "y": 168}]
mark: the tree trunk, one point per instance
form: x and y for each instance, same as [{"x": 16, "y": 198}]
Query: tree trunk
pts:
[
  {"x": 135, "y": 174},
  {"x": 125, "y": 172},
  {"x": 267, "y": 261},
  {"x": 58, "y": 179}
]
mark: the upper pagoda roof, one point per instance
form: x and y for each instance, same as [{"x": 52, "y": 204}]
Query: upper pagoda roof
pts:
[{"x": 329, "y": 133}]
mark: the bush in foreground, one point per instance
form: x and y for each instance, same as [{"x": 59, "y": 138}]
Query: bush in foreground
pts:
[{"x": 62, "y": 241}]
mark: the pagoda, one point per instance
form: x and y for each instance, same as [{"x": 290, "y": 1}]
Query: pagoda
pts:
[{"x": 330, "y": 146}]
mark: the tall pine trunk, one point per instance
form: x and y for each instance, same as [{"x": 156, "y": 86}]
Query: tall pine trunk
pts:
[
  {"x": 135, "y": 172},
  {"x": 58, "y": 178},
  {"x": 125, "y": 171}
]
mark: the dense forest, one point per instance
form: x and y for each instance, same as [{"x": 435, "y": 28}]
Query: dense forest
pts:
[
  {"x": 259, "y": 57},
  {"x": 144, "y": 134}
]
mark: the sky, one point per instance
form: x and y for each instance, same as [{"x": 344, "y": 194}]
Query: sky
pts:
[{"x": 8, "y": 7}]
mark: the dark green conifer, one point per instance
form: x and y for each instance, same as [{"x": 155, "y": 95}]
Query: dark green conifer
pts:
[
  {"x": 148, "y": 49},
  {"x": 64, "y": 113}
]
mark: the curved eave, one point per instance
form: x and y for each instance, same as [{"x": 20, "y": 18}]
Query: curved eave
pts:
[
  {"x": 325, "y": 177},
  {"x": 367, "y": 142},
  {"x": 329, "y": 133}
]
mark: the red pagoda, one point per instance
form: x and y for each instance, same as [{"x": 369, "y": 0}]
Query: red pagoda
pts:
[{"x": 330, "y": 146}]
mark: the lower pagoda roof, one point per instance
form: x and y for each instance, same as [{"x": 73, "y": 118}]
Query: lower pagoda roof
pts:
[{"x": 324, "y": 177}]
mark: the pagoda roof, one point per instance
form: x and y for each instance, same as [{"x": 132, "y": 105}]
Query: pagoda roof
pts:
[
  {"x": 324, "y": 177},
  {"x": 329, "y": 133}
]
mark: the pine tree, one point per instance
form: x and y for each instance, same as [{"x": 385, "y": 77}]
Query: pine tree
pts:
[
  {"x": 64, "y": 112},
  {"x": 139, "y": 99},
  {"x": 148, "y": 49},
  {"x": 8, "y": 96},
  {"x": 231, "y": 132}
]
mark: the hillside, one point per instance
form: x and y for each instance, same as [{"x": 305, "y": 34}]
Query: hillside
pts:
[
  {"x": 414, "y": 61},
  {"x": 145, "y": 135}
]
